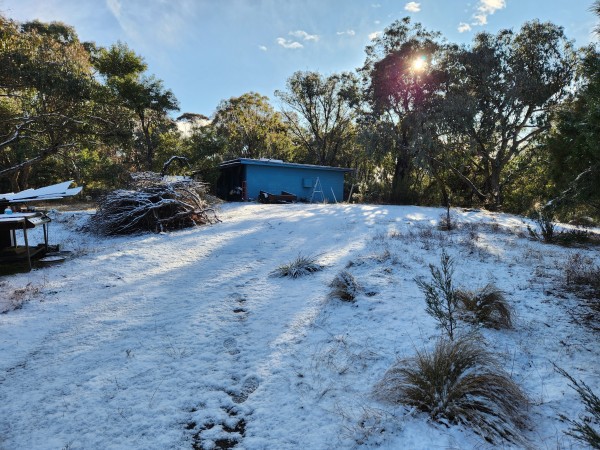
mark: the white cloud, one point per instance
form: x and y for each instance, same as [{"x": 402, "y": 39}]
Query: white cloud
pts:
[
  {"x": 480, "y": 19},
  {"x": 304, "y": 35},
  {"x": 491, "y": 6},
  {"x": 377, "y": 22},
  {"x": 486, "y": 8},
  {"x": 375, "y": 35},
  {"x": 462, "y": 27},
  {"x": 375, "y": 5},
  {"x": 347, "y": 32},
  {"x": 263, "y": 48},
  {"x": 412, "y": 7},
  {"x": 285, "y": 43}
]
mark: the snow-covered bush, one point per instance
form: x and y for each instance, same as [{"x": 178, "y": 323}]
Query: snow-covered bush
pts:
[
  {"x": 302, "y": 265},
  {"x": 154, "y": 205},
  {"x": 486, "y": 306},
  {"x": 344, "y": 286},
  {"x": 459, "y": 382}
]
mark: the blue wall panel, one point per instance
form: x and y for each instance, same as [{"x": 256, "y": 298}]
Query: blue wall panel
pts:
[{"x": 293, "y": 179}]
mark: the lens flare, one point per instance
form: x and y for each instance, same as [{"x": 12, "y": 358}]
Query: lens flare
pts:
[{"x": 419, "y": 63}]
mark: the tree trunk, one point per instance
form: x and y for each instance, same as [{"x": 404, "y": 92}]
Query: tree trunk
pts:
[
  {"x": 495, "y": 192},
  {"x": 401, "y": 181}
]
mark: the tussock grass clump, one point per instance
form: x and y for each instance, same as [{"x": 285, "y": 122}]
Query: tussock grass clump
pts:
[
  {"x": 459, "y": 382},
  {"x": 344, "y": 286},
  {"x": 487, "y": 307},
  {"x": 299, "y": 267}
]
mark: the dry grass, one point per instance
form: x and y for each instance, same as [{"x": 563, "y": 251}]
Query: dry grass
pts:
[
  {"x": 344, "y": 286},
  {"x": 299, "y": 267},
  {"x": 487, "y": 307},
  {"x": 582, "y": 276},
  {"x": 587, "y": 428},
  {"x": 459, "y": 382}
]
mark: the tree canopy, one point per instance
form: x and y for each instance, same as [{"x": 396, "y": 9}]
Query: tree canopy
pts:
[{"x": 505, "y": 122}]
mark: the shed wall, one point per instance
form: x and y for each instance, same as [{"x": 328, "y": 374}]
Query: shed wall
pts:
[{"x": 298, "y": 181}]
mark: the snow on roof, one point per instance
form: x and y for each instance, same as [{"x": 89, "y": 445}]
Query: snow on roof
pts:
[
  {"x": 278, "y": 163},
  {"x": 52, "y": 192}
]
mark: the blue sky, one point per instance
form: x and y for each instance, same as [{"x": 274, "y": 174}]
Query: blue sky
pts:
[{"x": 210, "y": 50}]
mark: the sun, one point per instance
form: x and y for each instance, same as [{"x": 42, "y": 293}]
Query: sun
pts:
[{"x": 419, "y": 63}]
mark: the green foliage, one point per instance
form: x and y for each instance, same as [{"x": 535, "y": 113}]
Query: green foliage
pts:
[
  {"x": 546, "y": 228},
  {"x": 400, "y": 99},
  {"x": 496, "y": 117},
  {"x": 319, "y": 113},
  {"x": 587, "y": 428},
  {"x": 459, "y": 382},
  {"x": 546, "y": 232},
  {"x": 440, "y": 295},
  {"x": 574, "y": 163},
  {"x": 54, "y": 107},
  {"x": 251, "y": 128}
]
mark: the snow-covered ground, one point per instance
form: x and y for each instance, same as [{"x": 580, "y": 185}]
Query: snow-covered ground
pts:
[{"x": 184, "y": 340}]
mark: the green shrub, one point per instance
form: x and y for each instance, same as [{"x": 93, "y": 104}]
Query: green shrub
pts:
[
  {"x": 440, "y": 295},
  {"x": 546, "y": 229},
  {"x": 459, "y": 382}
]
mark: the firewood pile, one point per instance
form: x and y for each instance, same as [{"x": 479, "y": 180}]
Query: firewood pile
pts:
[{"x": 154, "y": 204}]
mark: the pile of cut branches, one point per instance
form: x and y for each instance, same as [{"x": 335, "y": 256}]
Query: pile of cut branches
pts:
[{"x": 154, "y": 204}]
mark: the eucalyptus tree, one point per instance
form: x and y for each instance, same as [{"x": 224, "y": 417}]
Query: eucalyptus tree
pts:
[
  {"x": 50, "y": 101},
  {"x": 402, "y": 79},
  {"x": 320, "y": 113},
  {"x": 251, "y": 128},
  {"x": 143, "y": 95},
  {"x": 574, "y": 143},
  {"x": 499, "y": 101}
]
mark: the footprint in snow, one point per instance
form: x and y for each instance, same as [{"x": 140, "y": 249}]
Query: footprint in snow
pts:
[
  {"x": 230, "y": 345},
  {"x": 249, "y": 385},
  {"x": 237, "y": 297}
]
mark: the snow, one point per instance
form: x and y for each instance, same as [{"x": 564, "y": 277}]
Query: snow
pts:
[{"x": 184, "y": 339}]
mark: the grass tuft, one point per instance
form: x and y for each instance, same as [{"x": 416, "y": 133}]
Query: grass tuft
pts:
[
  {"x": 299, "y": 267},
  {"x": 582, "y": 276},
  {"x": 487, "y": 307},
  {"x": 344, "y": 286},
  {"x": 459, "y": 382},
  {"x": 587, "y": 428}
]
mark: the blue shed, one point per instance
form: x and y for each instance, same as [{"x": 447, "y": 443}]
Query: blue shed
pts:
[{"x": 243, "y": 179}]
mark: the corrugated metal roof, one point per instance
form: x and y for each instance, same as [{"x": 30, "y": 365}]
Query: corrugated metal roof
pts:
[{"x": 278, "y": 163}]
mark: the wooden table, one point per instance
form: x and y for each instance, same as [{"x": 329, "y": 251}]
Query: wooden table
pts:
[{"x": 9, "y": 224}]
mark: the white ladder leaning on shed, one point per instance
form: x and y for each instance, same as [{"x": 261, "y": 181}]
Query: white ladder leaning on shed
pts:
[{"x": 317, "y": 189}]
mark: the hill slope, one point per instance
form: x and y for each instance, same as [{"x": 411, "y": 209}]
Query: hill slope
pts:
[{"x": 185, "y": 340}]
